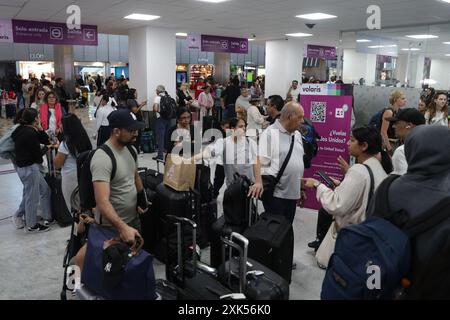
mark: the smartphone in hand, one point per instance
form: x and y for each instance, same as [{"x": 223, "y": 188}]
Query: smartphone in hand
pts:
[{"x": 327, "y": 180}]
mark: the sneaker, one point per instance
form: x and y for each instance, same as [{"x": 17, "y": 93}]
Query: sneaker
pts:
[
  {"x": 37, "y": 229},
  {"x": 48, "y": 223},
  {"x": 314, "y": 244},
  {"x": 18, "y": 222},
  {"x": 158, "y": 158}
]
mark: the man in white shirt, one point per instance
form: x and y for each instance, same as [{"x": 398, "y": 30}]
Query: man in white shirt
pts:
[
  {"x": 404, "y": 122},
  {"x": 243, "y": 104},
  {"x": 274, "y": 147},
  {"x": 294, "y": 92}
]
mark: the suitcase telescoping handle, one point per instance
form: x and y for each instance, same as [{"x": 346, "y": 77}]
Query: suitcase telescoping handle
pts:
[
  {"x": 180, "y": 221},
  {"x": 242, "y": 269}
]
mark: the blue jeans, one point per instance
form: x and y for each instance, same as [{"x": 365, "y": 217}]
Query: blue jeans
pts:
[
  {"x": 35, "y": 188},
  {"x": 284, "y": 207},
  {"x": 162, "y": 127}
]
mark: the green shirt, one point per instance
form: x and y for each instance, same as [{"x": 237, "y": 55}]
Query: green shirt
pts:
[{"x": 123, "y": 192}]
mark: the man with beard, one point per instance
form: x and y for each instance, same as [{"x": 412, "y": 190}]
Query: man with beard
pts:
[{"x": 121, "y": 199}]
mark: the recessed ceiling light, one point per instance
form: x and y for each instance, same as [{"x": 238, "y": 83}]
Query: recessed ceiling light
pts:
[
  {"x": 316, "y": 16},
  {"x": 423, "y": 36},
  {"x": 138, "y": 16},
  {"x": 447, "y": 42},
  {"x": 411, "y": 49},
  {"x": 181, "y": 34},
  {"x": 363, "y": 40},
  {"x": 447, "y": 55},
  {"x": 446, "y": 1},
  {"x": 299, "y": 34},
  {"x": 251, "y": 39},
  {"x": 376, "y": 47},
  {"x": 213, "y": 1}
]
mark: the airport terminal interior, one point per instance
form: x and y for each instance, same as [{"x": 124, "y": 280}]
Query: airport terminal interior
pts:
[{"x": 318, "y": 132}]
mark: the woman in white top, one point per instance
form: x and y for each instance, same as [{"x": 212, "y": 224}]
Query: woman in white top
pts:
[
  {"x": 103, "y": 129},
  {"x": 205, "y": 101},
  {"x": 98, "y": 97},
  {"x": 39, "y": 99},
  {"x": 437, "y": 113},
  {"x": 76, "y": 141},
  {"x": 255, "y": 120}
]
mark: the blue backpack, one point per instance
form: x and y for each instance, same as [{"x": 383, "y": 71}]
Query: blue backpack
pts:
[
  {"x": 376, "y": 119},
  {"x": 375, "y": 244}
]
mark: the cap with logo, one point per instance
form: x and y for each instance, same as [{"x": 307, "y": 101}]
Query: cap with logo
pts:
[
  {"x": 410, "y": 115},
  {"x": 115, "y": 258},
  {"x": 124, "y": 119}
]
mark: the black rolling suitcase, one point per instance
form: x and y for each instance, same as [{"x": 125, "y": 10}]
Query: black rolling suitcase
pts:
[
  {"x": 193, "y": 283},
  {"x": 151, "y": 178},
  {"x": 271, "y": 241},
  {"x": 60, "y": 212},
  {"x": 10, "y": 110},
  {"x": 247, "y": 276}
]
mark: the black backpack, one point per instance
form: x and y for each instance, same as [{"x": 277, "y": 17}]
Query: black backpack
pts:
[
  {"x": 236, "y": 204},
  {"x": 377, "y": 118},
  {"x": 84, "y": 175},
  {"x": 167, "y": 107},
  {"x": 310, "y": 146}
]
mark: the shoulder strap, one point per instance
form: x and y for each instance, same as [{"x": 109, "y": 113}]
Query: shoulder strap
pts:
[
  {"x": 382, "y": 207},
  {"x": 372, "y": 185},
  {"x": 133, "y": 153},
  {"x": 286, "y": 161},
  {"x": 109, "y": 152}
]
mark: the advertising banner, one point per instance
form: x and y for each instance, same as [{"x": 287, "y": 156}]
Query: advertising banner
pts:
[
  {"x": 321, "y": 89},
  {"x": 6, "y": 34},
  {"x": 194, "y": 41},
  {"x": 224, "y": 44},
  {"x": 327, "y": 53},
  {"x": 331, "y": 116},
  {"x": 53, "y": 33}
]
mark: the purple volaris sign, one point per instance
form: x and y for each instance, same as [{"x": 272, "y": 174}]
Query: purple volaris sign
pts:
[
  {"x": 53, "y": 33},
  {"x": 224, "y": 44}
]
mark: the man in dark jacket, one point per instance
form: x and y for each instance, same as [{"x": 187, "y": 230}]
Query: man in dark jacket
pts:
[{"x": 62, "y": 94}]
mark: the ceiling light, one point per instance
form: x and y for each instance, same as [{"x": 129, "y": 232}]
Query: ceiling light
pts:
[
  {"x": 423, "y": 36},
  {"x": 376, "y": 47},
  {"x": 391, "y": 46},
  {"x": 316, "y": 16},
  {"x": 299, "y": 34},
  {"x": 363, "y": 40},
  {"x": 446, "y": 1},
  {"x": 411, "y": 49},
  {"x": 181, "y": 34},
  {"x": 138, "y": 16},
  {"x": 447, "y": 55},
  {"x": 251, "y": 39},
  {"x": 448, "y": 42},
  {"x": 213, "y": 1}
]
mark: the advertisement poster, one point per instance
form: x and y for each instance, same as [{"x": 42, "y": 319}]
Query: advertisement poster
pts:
[
  {"x": 53, "y": 33},
  {"x": 194, "y": 41},
  {"x": 331, "y": 116},
  {"x": 6, "y": 34}
]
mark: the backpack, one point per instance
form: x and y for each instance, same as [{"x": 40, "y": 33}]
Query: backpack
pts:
[
  {"x": 7, "y": 145},
  {"x": 84, "y": 174},
  {"x": 235, "y": 201},
  {"x": 167, "y": 107},
  {"x": 377, "y": 118},
  {"x": 309, "y": 137},
  {"x": 387, "y": 241}
]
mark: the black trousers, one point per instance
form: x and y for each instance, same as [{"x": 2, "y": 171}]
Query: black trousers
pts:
[
  {"x": 324, "y": 221},
  {"x": 219, "y": 178}
]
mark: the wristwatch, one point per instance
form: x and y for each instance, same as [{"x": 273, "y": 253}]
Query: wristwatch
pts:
[{"x": 316, "y": 184}]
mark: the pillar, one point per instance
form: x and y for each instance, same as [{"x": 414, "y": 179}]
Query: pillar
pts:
[
  {"x": 284, "y": 63},
  {"x": 152, "y": 61},
  {"x": 222, "y": 63},
  {"x": 64, "y": 65}
]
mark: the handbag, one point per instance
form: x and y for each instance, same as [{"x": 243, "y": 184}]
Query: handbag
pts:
[
  {"x": 326, "y": 248},
  {"x": 270, "y": 182}
]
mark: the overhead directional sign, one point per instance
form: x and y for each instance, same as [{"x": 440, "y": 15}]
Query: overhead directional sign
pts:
[{"x": 25, "y": 31}]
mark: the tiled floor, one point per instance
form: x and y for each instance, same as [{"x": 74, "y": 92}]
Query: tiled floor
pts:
[{"x": 31, "y": 265}]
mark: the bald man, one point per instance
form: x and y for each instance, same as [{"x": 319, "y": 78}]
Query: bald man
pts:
[{"x": 275, "y": 143}]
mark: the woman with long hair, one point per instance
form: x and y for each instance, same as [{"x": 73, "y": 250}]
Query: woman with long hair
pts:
[
  {"x": 51, "y": 114},
  {"x": 437, "y": 113},
  {"x": 422, "y": 105},
  {"x": 28, "y": 138},
  {"x": 39, "y": 99},
  {"x": 348, "y": 201},
  {"x": 76, "y": 141}
]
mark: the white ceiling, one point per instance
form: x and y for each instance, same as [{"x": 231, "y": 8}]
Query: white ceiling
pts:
[{"x": 267, "y": 19}]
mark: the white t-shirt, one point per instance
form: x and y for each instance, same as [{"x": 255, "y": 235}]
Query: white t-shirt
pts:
[
  {"x": 70, "y": 165},
  {"x": 439, "y": 119},
  {"x": 295, "y": 94},
  {"x": 274, "y": 144},
  {"x": 52, "y": 122},
  {"x": 102, "y": 116},
  {"x": 157, "y": 100},
  {"x": 399, "y": 161}
]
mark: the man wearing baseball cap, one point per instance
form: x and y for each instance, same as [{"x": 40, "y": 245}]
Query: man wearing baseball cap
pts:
[
  {"x": 120, "y": 196},
  {"x": 404, "y": 122}
]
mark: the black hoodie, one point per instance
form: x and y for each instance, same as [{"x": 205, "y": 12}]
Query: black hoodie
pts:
[{"x": 28, "y": 145}]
